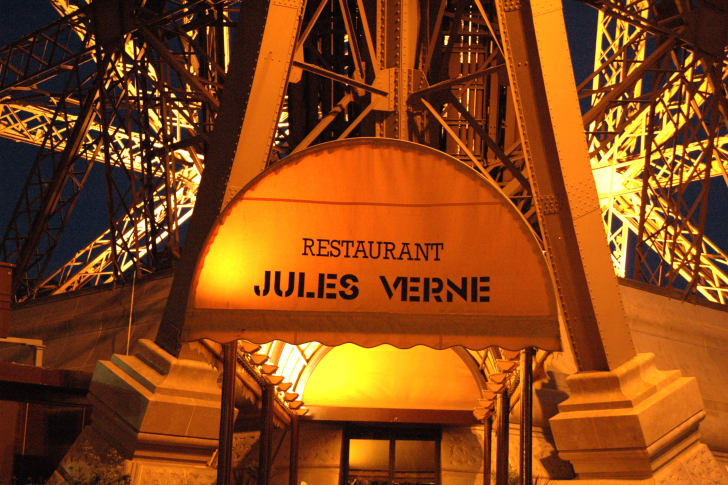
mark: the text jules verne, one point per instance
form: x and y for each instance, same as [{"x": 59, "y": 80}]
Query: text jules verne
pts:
[{"x": 439, "y": 289}]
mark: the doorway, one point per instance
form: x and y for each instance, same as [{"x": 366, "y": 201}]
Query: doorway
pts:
[{"x": 391, "y": 455}]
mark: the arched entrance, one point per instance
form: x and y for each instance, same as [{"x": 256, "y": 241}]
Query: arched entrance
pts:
[{"x": 398, "y": 244}]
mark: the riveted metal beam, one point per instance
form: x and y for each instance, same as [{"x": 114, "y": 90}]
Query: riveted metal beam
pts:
[{"x": 548, "y": 116}]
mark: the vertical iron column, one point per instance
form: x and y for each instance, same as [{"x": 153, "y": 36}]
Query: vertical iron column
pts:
[
  {"x": 219, "y": 158},
  {"x": 487, "y": 448},
  {"x": 501, "y": 458},
  {"x": 397, "y": 44},
  {"x": 293, "y": 453},
  {"x": 266, "y": 436},
  {"x": 227, "y": 413},
  {"x": 526, "y": 447},
  {"x": 570, "y": 220}
]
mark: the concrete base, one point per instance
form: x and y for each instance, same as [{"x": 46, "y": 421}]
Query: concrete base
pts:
[
  {"x": 635, "y": 424},
  {"x": 154, "y": 417},
  {"x": 721, "y": 458},
  {"x": 695, "y": 465}
]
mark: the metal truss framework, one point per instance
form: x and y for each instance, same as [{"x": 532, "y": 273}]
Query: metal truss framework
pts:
[
  {"x": 142, "y": 98},
  {"x": 657, "y": 137},
  {"x": 133, "y": 88}
]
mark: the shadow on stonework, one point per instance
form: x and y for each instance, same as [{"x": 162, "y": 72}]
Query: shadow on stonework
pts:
[{"x": 91, "y": 460}]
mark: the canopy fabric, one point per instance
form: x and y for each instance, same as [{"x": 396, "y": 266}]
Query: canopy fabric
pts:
[
  {"x": 385, "y": 377},
  {"x": 373, "y": 241}
]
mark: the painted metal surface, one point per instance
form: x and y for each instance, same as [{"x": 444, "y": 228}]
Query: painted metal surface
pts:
[
  {"x": 252, "y": 84},
  {"x": 503, "y": 410},
  {"x": 525, "y": 458},
  {"x": 457, "y": 72},
  {"x": 487, "y": 449},
  {"x": 567, "y": 210},
  {"x": 374, "y": 86},
  {"x": 656, "y": 133},
  {"x": 227, "y": 414}
]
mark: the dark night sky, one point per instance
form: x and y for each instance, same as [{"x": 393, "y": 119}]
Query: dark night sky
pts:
[
  {"x": 89, "y": 218},
  {"x": 19, "y": 18}
]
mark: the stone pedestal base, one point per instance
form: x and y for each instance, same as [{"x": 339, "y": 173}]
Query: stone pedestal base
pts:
[
  {"x": 635, "y": 424},
  {"x": 154, "y": 417}
]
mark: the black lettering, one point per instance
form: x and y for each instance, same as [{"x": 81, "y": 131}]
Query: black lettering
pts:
[
  {"x": 437, "y": 247},
  {"x": 335, "y": 248},
  {"x": 436, "y": 289},
  {"x": 402, "y": 252},
  {"x": 461, "y": 290},
  {"x": 347, "y": 283},
  {"x": 266, "y": 285},
  {"x": 389, "y": 250},
  {"x": 301, "y": 284},
  {"x": 331, "y": 286},
  {"x": 348, "y": 245},
  {"x": 360, "y": 249},
  {"x": 348, "y": 248},
  {"x": 399, "y": 281},
  {"x": 414, "y": 288},
  {"x": 385, "y": 283},
  {"x": 420, "y": 251},
  {"x": 322, "y": 247},
  {"x": 371, "y": 249},
  {"x": 291, "y": 283},
  {"x": 320, "y": 293},
  {"x": 484, "y": 288},
  {"x": 307, "y": 246}
]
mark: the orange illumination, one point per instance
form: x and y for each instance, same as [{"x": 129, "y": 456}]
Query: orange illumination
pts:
[
  {"x": 386, "y": 377},
  {"x": 291, "y": 361},
  {"x": 374, "y": 241}
]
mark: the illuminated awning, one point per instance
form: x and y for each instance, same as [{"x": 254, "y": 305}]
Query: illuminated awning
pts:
[{"x": 373, "y": 241}]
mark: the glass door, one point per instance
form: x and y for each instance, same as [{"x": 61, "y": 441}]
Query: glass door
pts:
[{"x": 391, "y": 456}]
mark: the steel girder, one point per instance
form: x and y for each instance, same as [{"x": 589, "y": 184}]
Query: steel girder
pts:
[
  {"x": 147, "y": 122},
  {"x": 655, "y": 130},
  {"x": 657, "y": 135},
  {"x": 348, "y": 79}
]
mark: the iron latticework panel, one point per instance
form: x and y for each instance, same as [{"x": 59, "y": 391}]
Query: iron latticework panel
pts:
[
  {"x": 139, "y": 98},
  {"x": 657, "y": 138},
  {"x": 142, "y": 96}
]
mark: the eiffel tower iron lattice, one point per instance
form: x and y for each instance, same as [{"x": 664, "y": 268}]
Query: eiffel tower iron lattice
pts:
[{"x": 135, "y": 86}]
